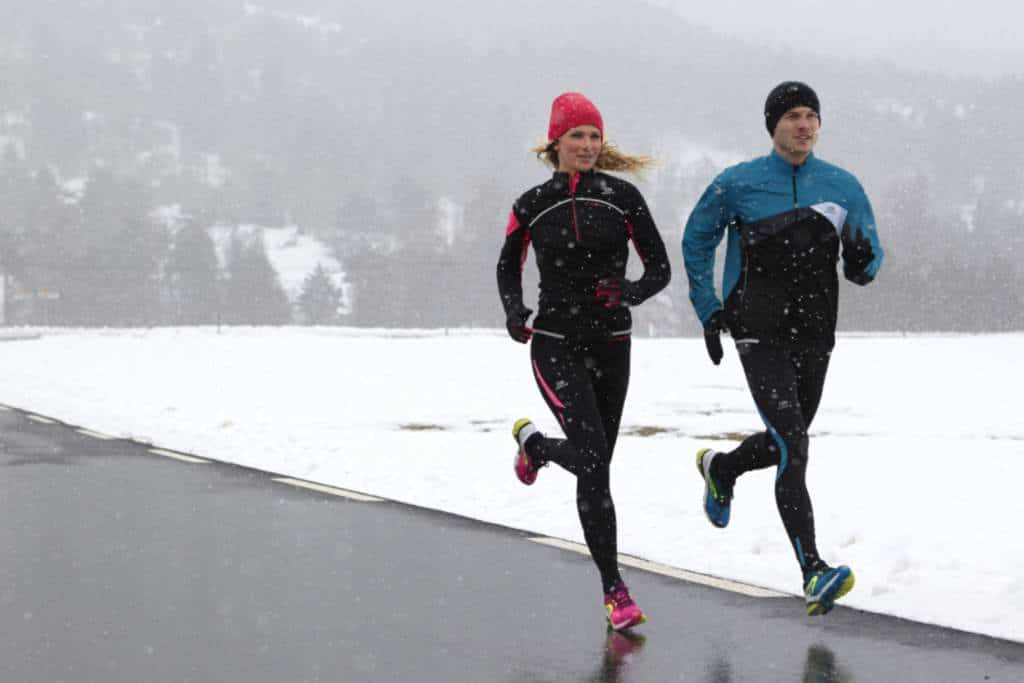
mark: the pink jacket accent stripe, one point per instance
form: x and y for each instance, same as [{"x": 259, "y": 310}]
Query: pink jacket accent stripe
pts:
[
  {"x": 513, "y": 223},
  {"x": 632, "y": 237},
  {"x": 546, "y": 388}
]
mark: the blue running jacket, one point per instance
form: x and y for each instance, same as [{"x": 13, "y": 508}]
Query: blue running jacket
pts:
[{"x": 785, "y": 225}]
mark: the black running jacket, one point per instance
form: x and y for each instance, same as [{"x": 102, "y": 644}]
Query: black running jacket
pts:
[{"x": 580, "y": 227}]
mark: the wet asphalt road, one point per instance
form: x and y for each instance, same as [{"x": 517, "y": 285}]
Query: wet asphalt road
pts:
[{"x": 121, "y": 565}]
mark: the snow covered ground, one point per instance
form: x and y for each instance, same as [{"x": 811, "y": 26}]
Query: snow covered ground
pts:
[{"x": 917, "y": 454}]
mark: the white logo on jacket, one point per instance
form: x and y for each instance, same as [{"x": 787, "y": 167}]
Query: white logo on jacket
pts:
[{"x": 835, "y": 214}]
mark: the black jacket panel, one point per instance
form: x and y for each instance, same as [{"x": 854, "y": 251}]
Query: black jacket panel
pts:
[{"x": 788, "y": 289}]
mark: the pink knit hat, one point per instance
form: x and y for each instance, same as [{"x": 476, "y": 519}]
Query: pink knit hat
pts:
[{"x": 571, "y": 109}]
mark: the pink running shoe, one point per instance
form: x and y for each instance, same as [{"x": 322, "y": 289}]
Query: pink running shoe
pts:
[
  {"x": 622, "y": 611},
  {"x": 526, "y": 470}
]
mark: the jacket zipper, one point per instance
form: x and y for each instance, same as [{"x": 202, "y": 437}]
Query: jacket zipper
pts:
[
  {"x": 746, "y": 277},
  {"x": 746, "y": 261},
  {"x": 572, "y": 191}
]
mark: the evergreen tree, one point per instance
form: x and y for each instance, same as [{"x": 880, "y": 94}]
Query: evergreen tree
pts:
[
  {"x": 320, "y": 299},
  {"x": 192, "y": 278},
  {"x": 374, "y": 274},
  {"x": 253, "y": 294},
  {"x": 113, "y": 253},
  {"x": 117, "y": 280},
  {"x": 33, "y": 223}
]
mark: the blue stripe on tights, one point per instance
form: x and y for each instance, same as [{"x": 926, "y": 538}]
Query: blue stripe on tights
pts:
[
  {"x": 799, "y": 551},
  {"x": 783, "y": 451}
]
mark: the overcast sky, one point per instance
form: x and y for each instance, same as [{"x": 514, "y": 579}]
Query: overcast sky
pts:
[{"x": 979, "y": 37}]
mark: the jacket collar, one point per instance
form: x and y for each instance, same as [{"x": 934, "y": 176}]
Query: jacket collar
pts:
[
  {"x": 777, "y": 163},
  {"x": 563, "y": 179}
]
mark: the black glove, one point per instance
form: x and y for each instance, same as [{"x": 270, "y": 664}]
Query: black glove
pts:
[
  {"x": 713, "y": 328},
  {"x": 615, "y": 291},
  {"x": 515, "y": 323},
  {"x": 857, "y": 256}
]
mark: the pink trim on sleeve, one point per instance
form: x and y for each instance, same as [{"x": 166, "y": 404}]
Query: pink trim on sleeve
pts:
[
  {"x": 513, "y": 223},
  {"x": 632, "y": 237}
]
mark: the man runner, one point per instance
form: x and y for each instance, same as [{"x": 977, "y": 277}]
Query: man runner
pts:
[{"x": 787, "y": 215}]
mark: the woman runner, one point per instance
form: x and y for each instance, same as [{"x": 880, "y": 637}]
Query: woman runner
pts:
[{"x": 580, "y": 223}]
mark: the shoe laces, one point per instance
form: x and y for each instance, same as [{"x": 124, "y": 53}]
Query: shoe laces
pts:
[
  {"x": 721, "y": 493},
  {"x": 531, "y": 463},
  {"x": 724, "y": 489},
  {"x": 818, "y": 572},
  {"x": 619, "y": 596}
]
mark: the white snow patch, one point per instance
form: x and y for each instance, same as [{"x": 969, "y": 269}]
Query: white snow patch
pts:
[
  {"x": 16, "y": 144},
  {"x": 171, "y": 216},
  {"x": 313, "y": 22},
  {"x": 216, "y": 174},
  {"x": 889, "y": 106},
  {"x": 967, "y": 212},
  {"x": 73, "y": 189},
  {"x": 451, "y": 219}
]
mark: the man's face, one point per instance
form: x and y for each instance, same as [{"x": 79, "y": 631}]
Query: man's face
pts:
[{"x": 796, "y": 132}]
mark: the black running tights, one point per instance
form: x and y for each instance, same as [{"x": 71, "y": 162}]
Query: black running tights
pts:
[
  {"x": 786, "y": 386},
  {"x": 584, "y": 385}
]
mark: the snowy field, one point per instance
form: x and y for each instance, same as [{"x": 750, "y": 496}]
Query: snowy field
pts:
[{"x": 917, "y": 454}]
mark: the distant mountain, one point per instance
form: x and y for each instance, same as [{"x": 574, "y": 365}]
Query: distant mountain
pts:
[{"x": 359, "y": 121}]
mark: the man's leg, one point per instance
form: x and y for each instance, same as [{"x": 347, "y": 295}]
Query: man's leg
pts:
[
  {"x": 823, "y": 585},
  {"x": 759, "y": 451},
  {"x": 774, "y": 381},
  {"x": 812, "y": 366}
]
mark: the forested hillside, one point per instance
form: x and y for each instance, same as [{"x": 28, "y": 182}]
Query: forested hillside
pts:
[{"x": 398, "y": 134}]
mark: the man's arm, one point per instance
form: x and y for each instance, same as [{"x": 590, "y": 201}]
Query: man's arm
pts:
[
  {"x": 862, "y": 249},
  {"x": 703, "y": 234}
]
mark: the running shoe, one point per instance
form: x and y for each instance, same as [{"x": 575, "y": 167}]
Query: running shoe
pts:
[
  {"x": 717, "y": 496},
  {"x": 525, "y": 467},
  {"x": 622, "y": 611},
  {"x": 824, "y": 586}
]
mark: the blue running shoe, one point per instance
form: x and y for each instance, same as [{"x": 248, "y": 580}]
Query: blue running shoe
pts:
[
  {"x": 823, "y": 587},
  {"x": 717, "y": 497}
]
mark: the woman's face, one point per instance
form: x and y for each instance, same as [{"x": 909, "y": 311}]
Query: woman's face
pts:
[{"x": 578, "y": 149}]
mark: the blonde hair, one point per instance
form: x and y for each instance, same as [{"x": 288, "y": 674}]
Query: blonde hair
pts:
[{"x": 611, "y": 158}]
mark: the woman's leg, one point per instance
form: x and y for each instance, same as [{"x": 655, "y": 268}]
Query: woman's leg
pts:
[
  {"x": 608, "y": 363},
  {"x": 565, "y": 382}
]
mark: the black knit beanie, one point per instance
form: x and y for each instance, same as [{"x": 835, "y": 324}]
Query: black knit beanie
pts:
[{"x": 784, "y": 97}]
